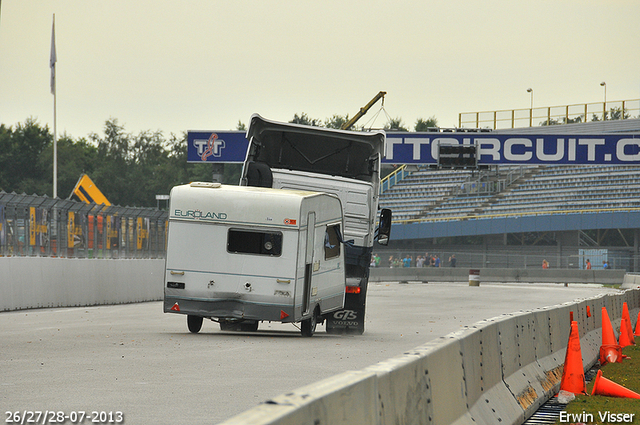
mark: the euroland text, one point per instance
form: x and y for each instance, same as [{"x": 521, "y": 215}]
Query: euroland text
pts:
[{"x": 598, "y": 418}]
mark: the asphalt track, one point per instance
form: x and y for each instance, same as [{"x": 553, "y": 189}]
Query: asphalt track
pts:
[{"x": 135, "y": 359}]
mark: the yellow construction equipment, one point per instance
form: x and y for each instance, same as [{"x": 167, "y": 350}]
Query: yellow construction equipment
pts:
[{"x": 88, "y": 192}]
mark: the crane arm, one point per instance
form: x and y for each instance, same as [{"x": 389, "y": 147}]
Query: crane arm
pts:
[{"x": 363, "y": 111}]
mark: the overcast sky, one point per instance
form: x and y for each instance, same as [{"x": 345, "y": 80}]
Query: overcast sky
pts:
[{"x": 175, "y": 66}]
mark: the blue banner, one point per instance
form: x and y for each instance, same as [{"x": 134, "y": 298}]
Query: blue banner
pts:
[
  {"x": 509, "y": 149},
  {"x": 216, "y": 146},
  {"x": 422, "y": 148}
]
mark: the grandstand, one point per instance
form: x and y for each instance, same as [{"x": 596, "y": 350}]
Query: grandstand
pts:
[
  {"x": 452, "y": 194},
  {"x": 558, "y": 203}
]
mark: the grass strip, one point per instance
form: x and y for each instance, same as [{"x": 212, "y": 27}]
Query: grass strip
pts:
[{"x": 594, "y": 407}]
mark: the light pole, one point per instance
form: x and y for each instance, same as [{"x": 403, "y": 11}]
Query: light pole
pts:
[
  {"x": 604, "y": 104},
  {"x": 530, "y": 90}
]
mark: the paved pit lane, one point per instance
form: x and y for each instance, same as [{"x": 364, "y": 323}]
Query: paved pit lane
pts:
[{"x": 139, "y": 361}]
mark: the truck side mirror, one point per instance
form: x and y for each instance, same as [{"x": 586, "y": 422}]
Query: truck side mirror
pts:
[{"x": 384, "y": 229}]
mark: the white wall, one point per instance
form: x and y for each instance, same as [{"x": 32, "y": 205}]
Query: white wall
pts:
[{"x": 36, "y": 282}]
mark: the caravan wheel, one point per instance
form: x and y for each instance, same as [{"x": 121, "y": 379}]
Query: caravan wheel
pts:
[
  {"x": 194, "y": 323},
  {"x": 308, "y": 327}
]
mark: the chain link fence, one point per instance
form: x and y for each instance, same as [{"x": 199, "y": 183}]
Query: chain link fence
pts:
[
  {"x": 568, "y": 258},
  {"x": 33, "y": 225}
]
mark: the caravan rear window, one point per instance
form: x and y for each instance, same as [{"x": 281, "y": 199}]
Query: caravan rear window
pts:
[
  {"x": 252, "y": 242},
  {"x": 332, "y": 242}
]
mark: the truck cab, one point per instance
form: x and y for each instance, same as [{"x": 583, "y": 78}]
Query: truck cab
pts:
[{"x": 342, "y": 163}]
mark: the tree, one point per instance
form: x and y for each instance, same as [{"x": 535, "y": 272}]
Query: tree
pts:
[
  {"x": 425, "y": 125},
  {"x": 550, "y": 121},
  {"x": 616, "y": 114},
  {"x": 575, "y": 120},
  {"x": 129, "y": 169},
  {"x": 304, "y": 119},
  {"x": 395, "y": 124},
  {"x": 111, "y": 174},
  {"x": 74, "y": 159},
  {"x": 336, "y": 121},
  {"x": 241, "y": 126},
  {"x": 612, "y": 114},
  {"x": 20, "y": 148}
]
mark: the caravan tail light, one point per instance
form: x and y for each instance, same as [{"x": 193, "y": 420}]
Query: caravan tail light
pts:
[{"x": 352, "y": 290}]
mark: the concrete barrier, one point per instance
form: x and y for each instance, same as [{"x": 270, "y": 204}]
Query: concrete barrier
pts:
[
  {"x": 499, "y": 370},
  {"x": 37, "y": 282},
  {"x": 350, "y": 397},
  {"x": 496, "y": 371},
  {"x": 488, "y": 397},
  {"x": 459, "y": 274},
  {"x": 631, "y": 281}
]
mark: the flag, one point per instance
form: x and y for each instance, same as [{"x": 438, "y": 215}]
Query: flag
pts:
[{"x": 53, "y": 58}]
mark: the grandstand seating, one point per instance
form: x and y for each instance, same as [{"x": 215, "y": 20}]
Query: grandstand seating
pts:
[
  {"x": 421, "y": 191},
  {"x": 436, "y": 194}
]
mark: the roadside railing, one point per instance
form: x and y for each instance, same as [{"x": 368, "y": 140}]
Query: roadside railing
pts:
[
  {"x": 33, "y": 225},
  {"x": 550, "y": 115},
  {"x": 393, "y": 178}
]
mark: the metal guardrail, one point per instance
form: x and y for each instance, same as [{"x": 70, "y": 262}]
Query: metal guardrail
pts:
[
  {"x": 483, "y": 186},
  {"x": 564, "y": 114},
  {"x": 472, "y": 257},
  {"x": 393, "y": 178},
  {"x": 514, "y": 214},
  {"x": 32, "y": 225}
]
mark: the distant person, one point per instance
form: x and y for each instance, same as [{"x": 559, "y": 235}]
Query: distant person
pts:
[
  {"x": 545, "y": 264},
  {"x": 419, "y": 261},
  {"x": 436, "y": 261},
  {"x": 452, "y": 260},
  {"x": 406, "y": 262},
  {"x": 605, "y": 265},
  {"x": 588, "y": 264}
]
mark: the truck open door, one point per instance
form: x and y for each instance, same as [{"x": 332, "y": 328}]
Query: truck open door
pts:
[{"x": 339, "y": 162}]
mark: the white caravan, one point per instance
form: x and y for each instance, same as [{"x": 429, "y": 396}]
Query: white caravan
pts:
[{"x": 240, "y": 255}]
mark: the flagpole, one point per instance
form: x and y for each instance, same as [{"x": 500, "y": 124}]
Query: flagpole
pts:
[
  {"x": 55, "y": 150},
  {"x": 52, "y": 61}
]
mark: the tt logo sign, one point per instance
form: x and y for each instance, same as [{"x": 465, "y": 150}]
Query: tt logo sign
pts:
[{"x": 210, "y": 147}]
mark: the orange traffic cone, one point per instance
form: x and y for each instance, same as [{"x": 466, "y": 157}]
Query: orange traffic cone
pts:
[
  {"x": 610, "y": 351},
  {"x": 628, "y": 327},
  {"x": 606, "y": 387},
  {"x": 610, "y": 354},
  {"x": 638, "y": 325},
  {"x": 608, "y": 337},
  {"x": 624, "y": 334},
  {"x": 573, "y": 372}
]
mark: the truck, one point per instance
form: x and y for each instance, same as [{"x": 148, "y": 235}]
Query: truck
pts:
[{"x": 292, "y": 243}]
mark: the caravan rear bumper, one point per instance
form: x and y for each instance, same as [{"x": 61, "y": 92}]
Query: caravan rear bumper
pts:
[{"x": 229, "y": 309}]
